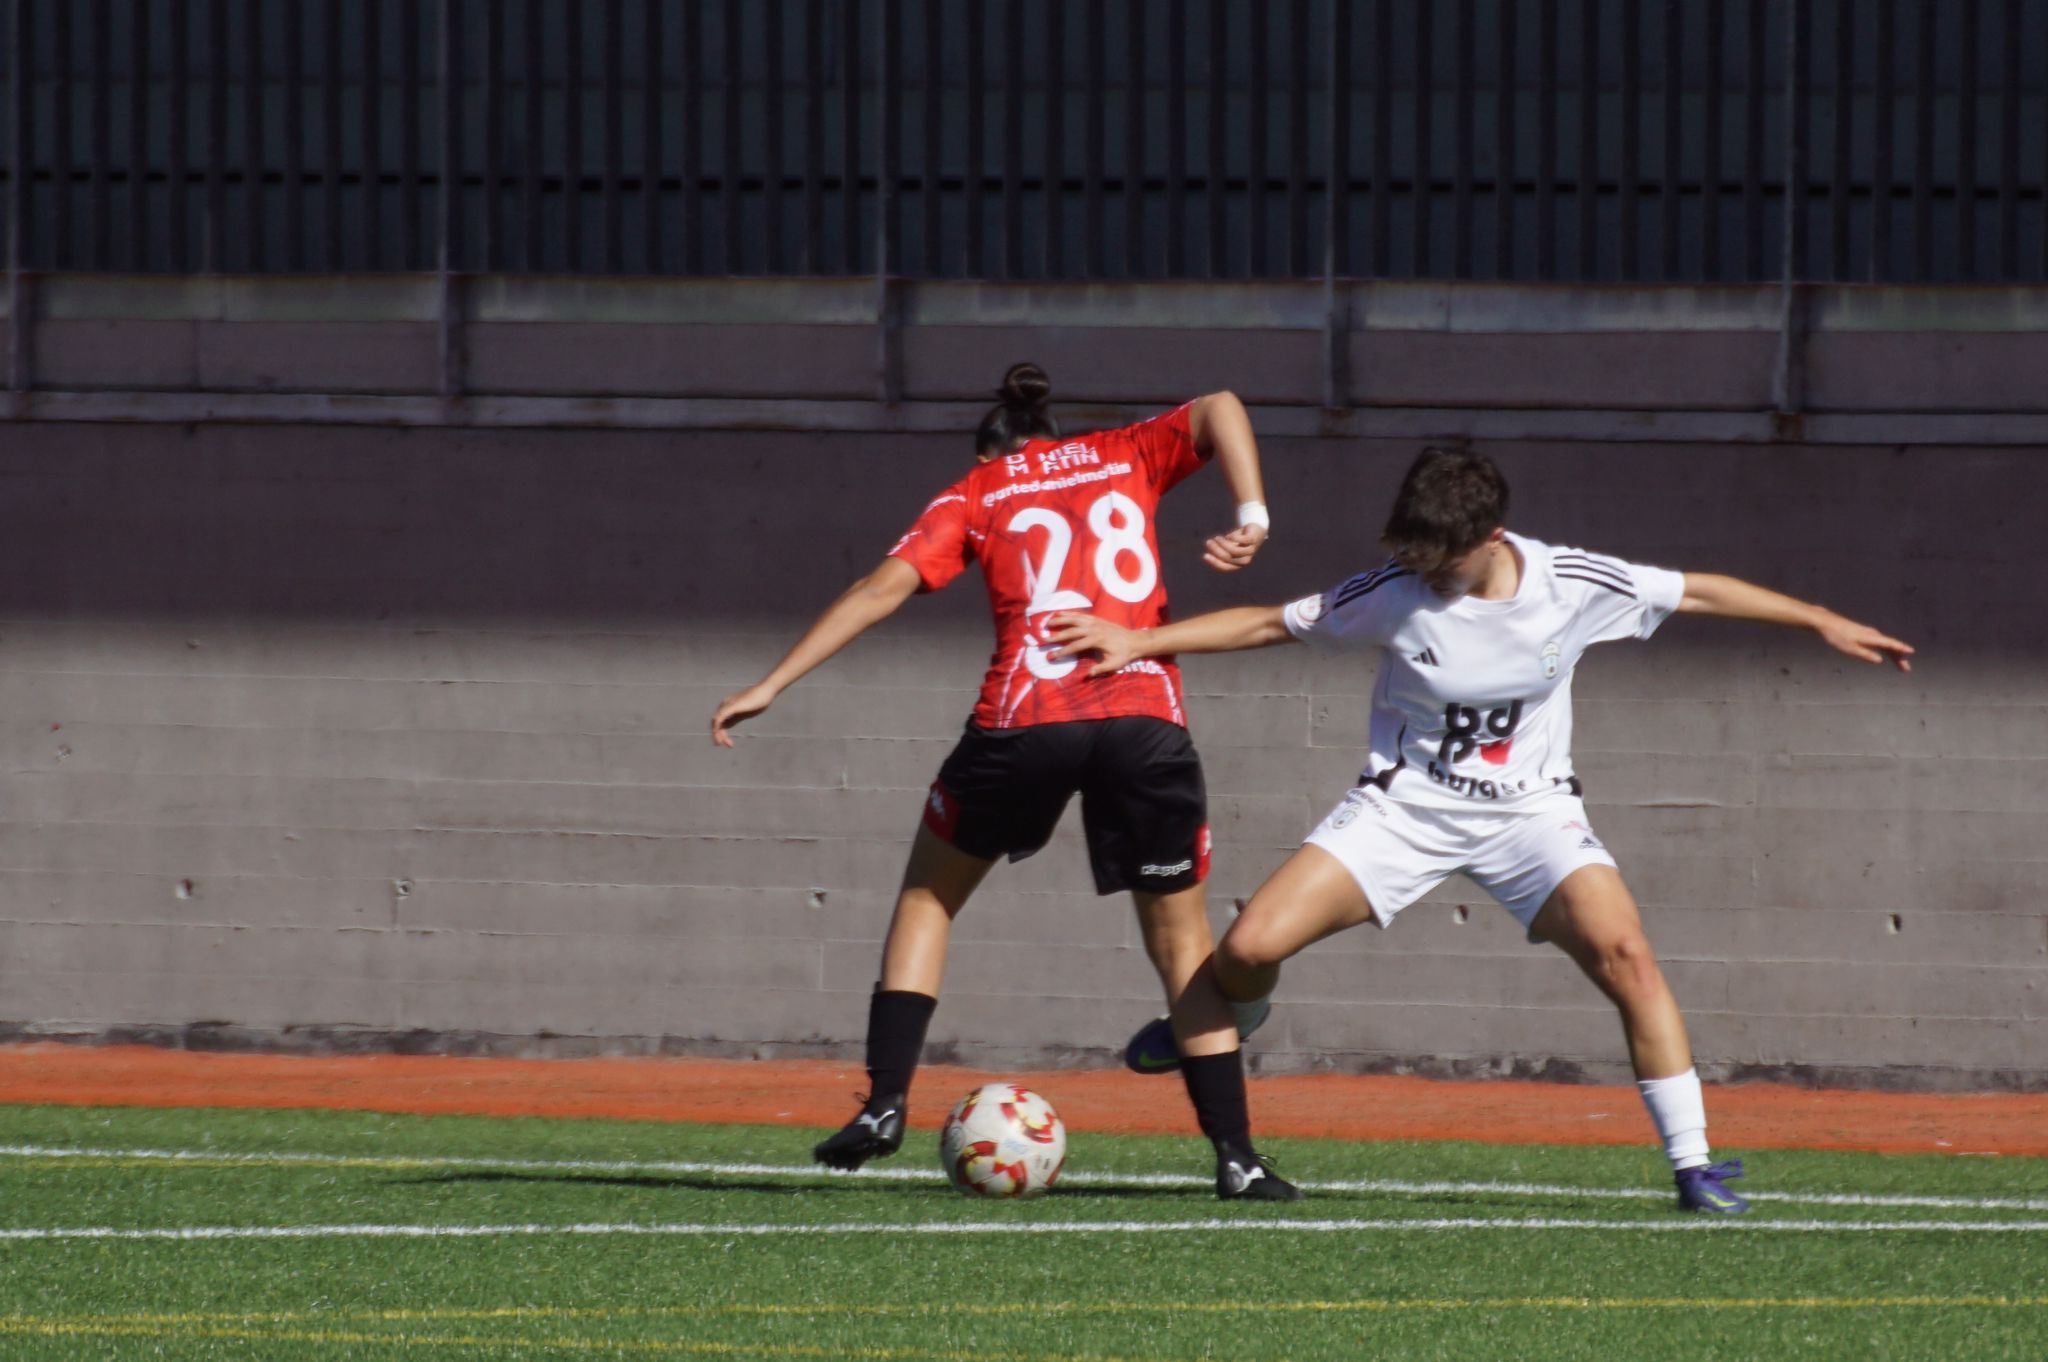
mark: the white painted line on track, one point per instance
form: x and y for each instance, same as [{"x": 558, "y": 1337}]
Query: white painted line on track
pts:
[
  {"x": 1689, "y": 1225},
  {"x": 812, "y": 1172}
]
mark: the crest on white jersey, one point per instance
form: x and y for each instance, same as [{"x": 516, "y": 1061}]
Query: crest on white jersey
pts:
[{"x": 1551, "y": 653}]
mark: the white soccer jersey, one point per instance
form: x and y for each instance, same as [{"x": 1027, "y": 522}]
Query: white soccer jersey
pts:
[{"x": 1473, "y": 706}]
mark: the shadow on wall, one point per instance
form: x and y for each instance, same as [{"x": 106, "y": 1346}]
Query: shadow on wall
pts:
[{"x": 759, "y": 530}]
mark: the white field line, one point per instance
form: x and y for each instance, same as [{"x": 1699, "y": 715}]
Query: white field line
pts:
[
  {"x": 812, "y": 1172},
  {"x": 1708, "y": 1225}
]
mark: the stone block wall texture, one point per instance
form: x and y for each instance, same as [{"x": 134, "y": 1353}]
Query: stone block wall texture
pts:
[{"x": 344, "y": 735}]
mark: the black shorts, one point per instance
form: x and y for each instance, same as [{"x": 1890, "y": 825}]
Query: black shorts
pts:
[{"x": 1143, "y": 805}]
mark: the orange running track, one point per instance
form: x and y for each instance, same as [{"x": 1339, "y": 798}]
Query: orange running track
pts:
[{"x": 822, "y": 1093}]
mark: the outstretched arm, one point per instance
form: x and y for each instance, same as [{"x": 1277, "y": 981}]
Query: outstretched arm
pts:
[
  {"x": 1222, "y": 430},
  {"x": 1708, "y": 593},
  {"x": 1220, "y": 631},
  {"x": 868, "y": 601}
]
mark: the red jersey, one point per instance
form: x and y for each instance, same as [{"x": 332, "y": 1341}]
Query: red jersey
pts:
[{"x": 1063, "y": 525}]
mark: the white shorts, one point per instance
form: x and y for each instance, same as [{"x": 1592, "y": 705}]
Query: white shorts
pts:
[{"x": 1399, "y": 852}]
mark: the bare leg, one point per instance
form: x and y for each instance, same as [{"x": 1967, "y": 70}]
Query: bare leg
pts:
[
  {"x": 1309, "y": 897},
  {"x": 1177, "y": 937},
  {"x": 936, "y": 885},
  {"x": 1593, "y": 918}
]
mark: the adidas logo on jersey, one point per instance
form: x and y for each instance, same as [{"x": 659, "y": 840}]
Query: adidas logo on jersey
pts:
[{"x": 1427, "y": 657}]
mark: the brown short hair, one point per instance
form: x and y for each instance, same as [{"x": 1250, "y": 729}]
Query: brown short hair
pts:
[{"x": 1449, "y": 502}]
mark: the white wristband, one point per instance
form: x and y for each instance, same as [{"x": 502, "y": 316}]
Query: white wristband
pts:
[{"x": 1254, "y": 513}]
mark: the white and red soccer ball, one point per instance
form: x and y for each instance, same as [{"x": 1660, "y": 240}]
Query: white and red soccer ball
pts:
[{"x": 1003, "y": 1140}]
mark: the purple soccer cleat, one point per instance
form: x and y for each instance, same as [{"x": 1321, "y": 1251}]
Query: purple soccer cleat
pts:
[{"x": 1705, "y": 1189}]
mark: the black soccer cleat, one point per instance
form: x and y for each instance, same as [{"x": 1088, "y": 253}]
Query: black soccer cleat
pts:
[
  {"x": 1250, "y": 1177},
  {"x": 874, "y": 1134}
]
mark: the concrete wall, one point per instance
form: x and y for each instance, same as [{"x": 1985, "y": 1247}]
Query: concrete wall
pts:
[{"x": 323, "y": 732}]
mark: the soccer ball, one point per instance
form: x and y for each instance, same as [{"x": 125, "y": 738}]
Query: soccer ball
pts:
[{"x": 1003, "y": 1140}]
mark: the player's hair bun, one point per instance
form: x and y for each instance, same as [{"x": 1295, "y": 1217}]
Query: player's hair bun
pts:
[
  {"x": 1025, "y": 388},
  {"x": 1021, "y": 412}
]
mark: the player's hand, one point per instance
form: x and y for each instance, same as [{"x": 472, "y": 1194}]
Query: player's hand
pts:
[
  {"x": 1229, "y": 552},
  {"x": 1864, "y": 643},
  {"x": 738, "y": 708},
  {"x": 1116, "y": 646}
]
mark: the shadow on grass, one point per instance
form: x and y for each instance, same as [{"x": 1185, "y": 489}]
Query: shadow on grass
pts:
[{"x": 685, "y": 1182}]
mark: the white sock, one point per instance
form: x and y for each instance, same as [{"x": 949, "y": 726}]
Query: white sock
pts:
[{"x": 1680, "y": 1114}]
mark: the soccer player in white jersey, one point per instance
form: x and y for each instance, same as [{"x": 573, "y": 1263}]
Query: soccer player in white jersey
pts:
[{"x": 1478, "y": 631}]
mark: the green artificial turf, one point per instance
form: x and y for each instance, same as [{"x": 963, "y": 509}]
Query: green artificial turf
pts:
[{"x": 776, "y": 1261}]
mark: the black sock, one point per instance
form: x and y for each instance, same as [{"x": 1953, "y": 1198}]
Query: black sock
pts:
[
  {"x": 1216, "y": 1087},
  {"x": 896, "y": 1024}
]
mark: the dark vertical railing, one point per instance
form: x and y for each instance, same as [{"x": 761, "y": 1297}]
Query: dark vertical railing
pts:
[
  {"x": 1798, "y": 178},
  {"x": 1259, "y": 91},
  {"x": 650, "y": 134},
  {"x": 99, "y": 203},
  {"x": 492, "y": 254},
  {"x": 974, "y": 93},
  {"x": 1092, "y": 144},
  {"x": 1463, "y": 143},
  {"x": 1758, "y": 100},
  {"x": 1546, "y": 140},
  {"x": 1507, "y": 117},
  {"x": 613, "y": 97},
  {"x": 1883, "y": 111},
  {"x": 2009, "y": 146},
  {"x": 1134, "y": 141},
  {"x": 215, "y": 257},
  {"x": 934, "y": 146},
  {"x": 533, "y": 95},
  {"x": 1216, "y": 201},
  {"x": 850, "y": 137},
  {"x": 1672, "y": 179},
  {"x": 1014, "y": 78},
  {"x": 253, "y": 159},
  {"x": 574, "y": 14},
  {"x": 1382, "y": 138},
  {"x": 176, "y": 133},
  {"x": 1840, "y": 187},
  {"x": 408, "y": 131},
  {"x": 1053, "y": 262},
  {"x": 1337, "y": 243},
  {"x": 1628, "y": 183},
  {"x": 1966, "y": 143},
  {"x": 1923, "y": 146},
  {"x": 1298, "y": 141},
  {"x": 330, "y": 135},
  {"x": 773, "y": 57},
  {"x": 1589, "y": 137},
  {"x": 1176, "y": 144},
  {"x": 1424, "y": 149},
  {"x": 1093, "y": 138},
  {"x": 370, "y": 187},
  {"x": 1712, "y": 167},
  {"x": 137, "y": 256},
  {"x": 60, "y": 138}
]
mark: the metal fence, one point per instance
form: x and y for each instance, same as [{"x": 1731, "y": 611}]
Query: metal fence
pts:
[{"x": 1628, "y": 140}]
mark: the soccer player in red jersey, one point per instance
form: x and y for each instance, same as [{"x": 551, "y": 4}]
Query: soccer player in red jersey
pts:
[{"x": 1056, "y": 524}]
